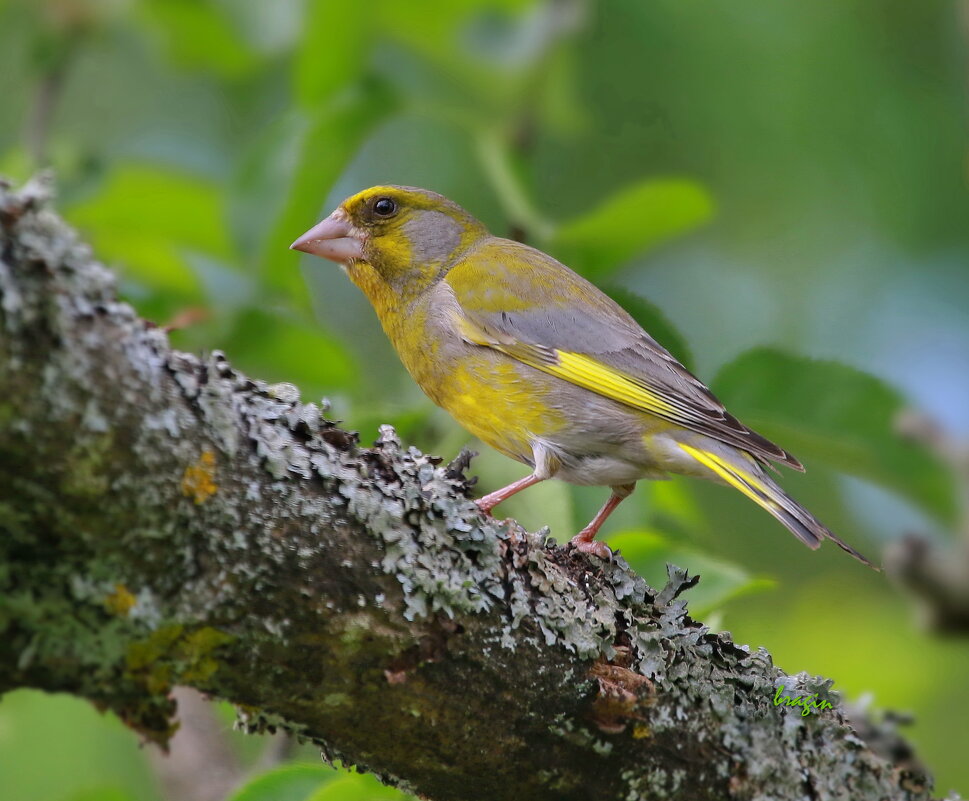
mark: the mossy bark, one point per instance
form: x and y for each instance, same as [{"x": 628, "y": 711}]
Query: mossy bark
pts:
[{"x": 166, "y": 520}]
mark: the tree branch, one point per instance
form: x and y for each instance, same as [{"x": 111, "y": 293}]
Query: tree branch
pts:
[
  {"x": 936, "y": 573},
  {"x": 166, "y": 520}
]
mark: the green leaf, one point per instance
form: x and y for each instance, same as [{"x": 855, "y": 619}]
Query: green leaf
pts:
[
  {"x": 147, "y": 218},
  {"x": 476, "y": 57},
  {"x": 634, "y": 219},
  {"x": 648, "y": 553},
  {"x": 838, "y": 415},
  {"x": 148, "y": 201},
  {"x": 329, "y": 142},
  {"x": 275, "y": 348},
  {"x": 357, "y": 788},
  {"x": 286, "y": 783},
  {"x": 103, "y": 794},
  {"x": 199, "y": 35},
  {"x": 334, "y": 50},
  {"x": 653, "y": 321}
]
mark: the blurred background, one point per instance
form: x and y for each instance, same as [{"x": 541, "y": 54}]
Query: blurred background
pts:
[{"x": 778, "y": 191}]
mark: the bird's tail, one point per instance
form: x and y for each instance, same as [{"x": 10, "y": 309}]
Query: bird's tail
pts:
[{"x": 763, "y": 491}]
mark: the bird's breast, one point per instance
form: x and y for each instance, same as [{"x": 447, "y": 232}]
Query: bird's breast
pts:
[{"x": 491, "y": 395}]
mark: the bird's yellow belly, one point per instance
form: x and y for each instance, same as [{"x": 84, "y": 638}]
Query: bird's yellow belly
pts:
[
  {"x": 490, "y": 398},
  {"x": 489, "y": 394}
]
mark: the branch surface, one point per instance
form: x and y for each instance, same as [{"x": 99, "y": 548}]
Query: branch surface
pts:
[{"x": 166, "y": 520}]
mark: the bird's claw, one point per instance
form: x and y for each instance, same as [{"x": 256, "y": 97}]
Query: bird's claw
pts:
[
  {"x": 593, "y": 547},
  {"x": 485, "y": 509}
]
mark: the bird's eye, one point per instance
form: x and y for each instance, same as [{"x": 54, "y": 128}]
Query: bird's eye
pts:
[{"x": 384, "y": 207}]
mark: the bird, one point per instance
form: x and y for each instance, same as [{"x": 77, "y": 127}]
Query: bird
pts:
[{"x": 539, "y": 363}]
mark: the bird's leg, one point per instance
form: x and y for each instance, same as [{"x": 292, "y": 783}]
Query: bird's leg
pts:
[
  {"x": 585, "y": 540},
  {"x": 492, "y": 499}
]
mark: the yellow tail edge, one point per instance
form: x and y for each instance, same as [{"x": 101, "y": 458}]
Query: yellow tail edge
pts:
[{"x": 798, "y": 520}]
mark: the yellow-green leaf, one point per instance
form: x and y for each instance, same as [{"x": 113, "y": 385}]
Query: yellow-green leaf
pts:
[{"x": 633, "y": 220}]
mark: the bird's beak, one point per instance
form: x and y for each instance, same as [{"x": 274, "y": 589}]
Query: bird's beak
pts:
[{"x": 334, "y": 238}]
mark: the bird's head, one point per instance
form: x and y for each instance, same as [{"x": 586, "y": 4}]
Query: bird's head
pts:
[{"x": 405, "y": 234}]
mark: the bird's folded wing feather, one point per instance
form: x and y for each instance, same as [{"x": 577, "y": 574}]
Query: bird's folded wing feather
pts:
[{"x": 530, "y": 307}]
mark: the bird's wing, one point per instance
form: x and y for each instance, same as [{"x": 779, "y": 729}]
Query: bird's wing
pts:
[{"x": 523, "y": 303}]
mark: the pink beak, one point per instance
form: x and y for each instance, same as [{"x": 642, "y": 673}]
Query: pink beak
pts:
[{"x": 334, "y": 238}]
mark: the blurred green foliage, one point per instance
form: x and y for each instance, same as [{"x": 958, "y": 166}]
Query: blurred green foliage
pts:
[
  {"x": 788, "y": 177},
  {"x": 302, "y": 782},
  {"x": 293, "y": 782}
]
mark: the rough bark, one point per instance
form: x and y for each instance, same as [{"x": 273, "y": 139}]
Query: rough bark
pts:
[{"x": 166, "y": 520}]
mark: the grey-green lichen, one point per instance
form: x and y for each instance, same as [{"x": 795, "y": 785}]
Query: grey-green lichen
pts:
[{"x": 167, "y": 519}]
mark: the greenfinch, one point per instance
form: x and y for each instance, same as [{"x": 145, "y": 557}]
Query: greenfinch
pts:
[{"x": 537, "y": 362}]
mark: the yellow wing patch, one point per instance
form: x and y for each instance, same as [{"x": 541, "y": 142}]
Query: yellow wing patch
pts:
[{"x": 588, "y": 373}]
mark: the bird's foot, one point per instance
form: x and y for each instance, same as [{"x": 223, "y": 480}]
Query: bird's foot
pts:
[
  {"x": 594, "y": 547},
  {"x": 484, "y": 507}
]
